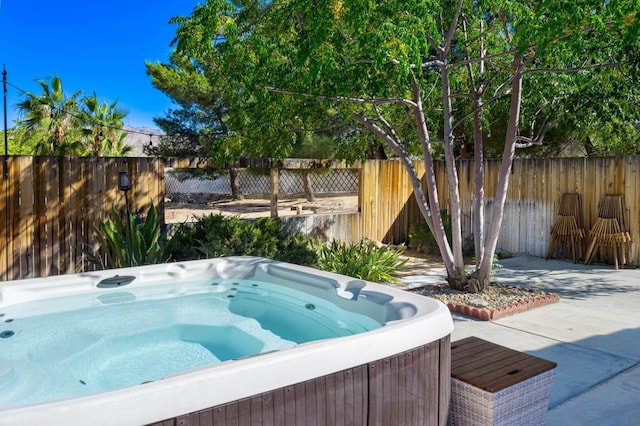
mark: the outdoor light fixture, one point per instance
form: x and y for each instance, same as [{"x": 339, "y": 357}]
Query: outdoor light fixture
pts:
[{"x": 124, "y": 183}]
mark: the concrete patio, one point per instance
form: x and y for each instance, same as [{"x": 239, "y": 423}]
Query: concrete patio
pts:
[{"x": 592, "y": 333}]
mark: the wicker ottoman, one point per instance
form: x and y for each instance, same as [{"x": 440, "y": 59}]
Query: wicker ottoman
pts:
[{"x": 494, "y": 385}]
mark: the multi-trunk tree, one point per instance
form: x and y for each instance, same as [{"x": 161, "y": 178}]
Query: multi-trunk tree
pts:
[{"x": 420, "y": 75}]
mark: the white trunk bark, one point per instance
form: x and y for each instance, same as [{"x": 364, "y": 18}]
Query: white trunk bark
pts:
[
  {"x": 437, "y": 226},
  {"x": 505, "y": 170},
  {"x": 478, "y": 202},
  {"x": 452, "y": 175}
]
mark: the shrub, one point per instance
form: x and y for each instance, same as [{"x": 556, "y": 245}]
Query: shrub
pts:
[
  {"x": 129, "y": 242},
  {"x": 421, "y": 238},
  {"x": 364, "y": 260},
  {"x": 217, "y": 235}
]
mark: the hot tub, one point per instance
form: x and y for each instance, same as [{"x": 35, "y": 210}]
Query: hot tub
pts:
[{"x": 236, "y": 340}]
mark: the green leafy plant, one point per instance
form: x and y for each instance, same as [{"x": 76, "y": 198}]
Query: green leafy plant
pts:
[
  {"x": 218, "y": 235},
  {"x": 421, "y": 238},
  {"x": 363, "y": 259},
  {"x": 131, "y": 241}
]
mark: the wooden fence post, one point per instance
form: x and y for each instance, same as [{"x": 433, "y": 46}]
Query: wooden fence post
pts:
[{"x": 274, "y": 176}]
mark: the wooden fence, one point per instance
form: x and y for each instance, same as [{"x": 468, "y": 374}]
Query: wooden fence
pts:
[
  {"x": 536, "y": 186},
  {"x": 48, "y": 205}
]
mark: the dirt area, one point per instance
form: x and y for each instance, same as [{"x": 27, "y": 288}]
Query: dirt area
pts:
[{"x": 252, "y": 208}]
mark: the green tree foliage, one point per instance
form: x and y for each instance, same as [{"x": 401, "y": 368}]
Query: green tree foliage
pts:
[
  {"x": 198, "y": 127},
  {"x": 218, "y": 117},
  {"x": 104, "y": 127},
  {"x": 422, "y": 76},
  {"x": 54, "y": 123},
  {"x": 18, "y": 143},
  {"x": 53, "y": 116}
]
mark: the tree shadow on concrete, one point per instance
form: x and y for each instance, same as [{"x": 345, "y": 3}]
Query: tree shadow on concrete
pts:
[{"x": 567, "y": 279}]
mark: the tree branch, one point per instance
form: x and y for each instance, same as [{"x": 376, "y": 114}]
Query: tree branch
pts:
[
  {"x": 452, "y": 27},
  {"x": 368, "y": 101},
  {"x": 573, "y": 69}
]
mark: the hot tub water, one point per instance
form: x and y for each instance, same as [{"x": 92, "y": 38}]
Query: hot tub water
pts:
[
  {"x": 202, "y": 338},
  {"x": 92, "y": 344}
]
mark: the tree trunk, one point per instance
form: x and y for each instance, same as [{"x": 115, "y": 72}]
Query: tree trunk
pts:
[
  {"x": 233, "y": 181},
  {"x": 484, "y": 270},
  {"x": 376, "y": 151},
  {"x": 274, "y": 177},
  {"x": 452, "y": 174},
  {"x": 308, "y": 191},
  {"x": 472, "y": 283}
]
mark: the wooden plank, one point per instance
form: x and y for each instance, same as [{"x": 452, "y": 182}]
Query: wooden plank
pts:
[
  {"x": 405, "y": 394},
  {"x": 376, "y": 394},
  {"x": 338, "y": 397},
  {"x": 4, "y": 216},
  {"x": 279, "y": 414},
  {"x": 630, "y": 193},
  {"x": 40, "y": 215},
  {"x": 493, "y": 367},
  {"x": 159, "y": 171},
  {"x": 232, "y": 414},
  {"x": 219, "y": 415},
  {"x": 311, "y": 397},
  {"x": 52, "y": 220},
  {"x": 299, "y": 402},
  {"x": 90, "y": 215},
  {"x": 416, "y": 391},
  {"x": 289, "y": 406},
  {"x": 244, "y": 412},
  {"x": 76, "y": 209},
  {"x": 387, "y": 414},
  {"x": 14, "y": 221},
  {"x": 444, "y": 380},
  {"x": 430, "y": 391},
  {"x": 321, "y": 400},
  {"x": 274, "y": 178},
  {"x": 111, "y": 192},
  {"x": 68, "y": 250},
  {"x": 361, "y": 400},
  {"x": 26, "y": 217},
  {"x": 350, "y": 408}
]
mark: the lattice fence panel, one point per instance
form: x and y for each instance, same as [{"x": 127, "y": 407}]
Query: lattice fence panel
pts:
[{"x": 252, "y": 182}]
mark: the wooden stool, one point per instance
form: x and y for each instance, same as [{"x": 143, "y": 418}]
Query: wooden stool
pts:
[{"x": 495, "y": 385}]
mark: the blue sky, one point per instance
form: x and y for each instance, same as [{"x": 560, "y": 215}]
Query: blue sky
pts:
[{"x": 94, "y": 46}]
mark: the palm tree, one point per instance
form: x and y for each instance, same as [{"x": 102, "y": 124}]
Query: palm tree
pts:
[
  {"x": 105, "y": 131},
  {"x": 56, "y": 116}
]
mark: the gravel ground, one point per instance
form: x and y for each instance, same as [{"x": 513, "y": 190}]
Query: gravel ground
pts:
[{"x": 497, "y": 296}]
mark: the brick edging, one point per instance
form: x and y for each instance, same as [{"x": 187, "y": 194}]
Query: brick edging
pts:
[{"x": 486, "y": 314}]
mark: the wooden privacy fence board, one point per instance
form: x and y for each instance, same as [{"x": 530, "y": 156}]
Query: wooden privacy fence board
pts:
[
  {"x": 49, "y": 205},
  {"x": 533, "y": 198}
]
